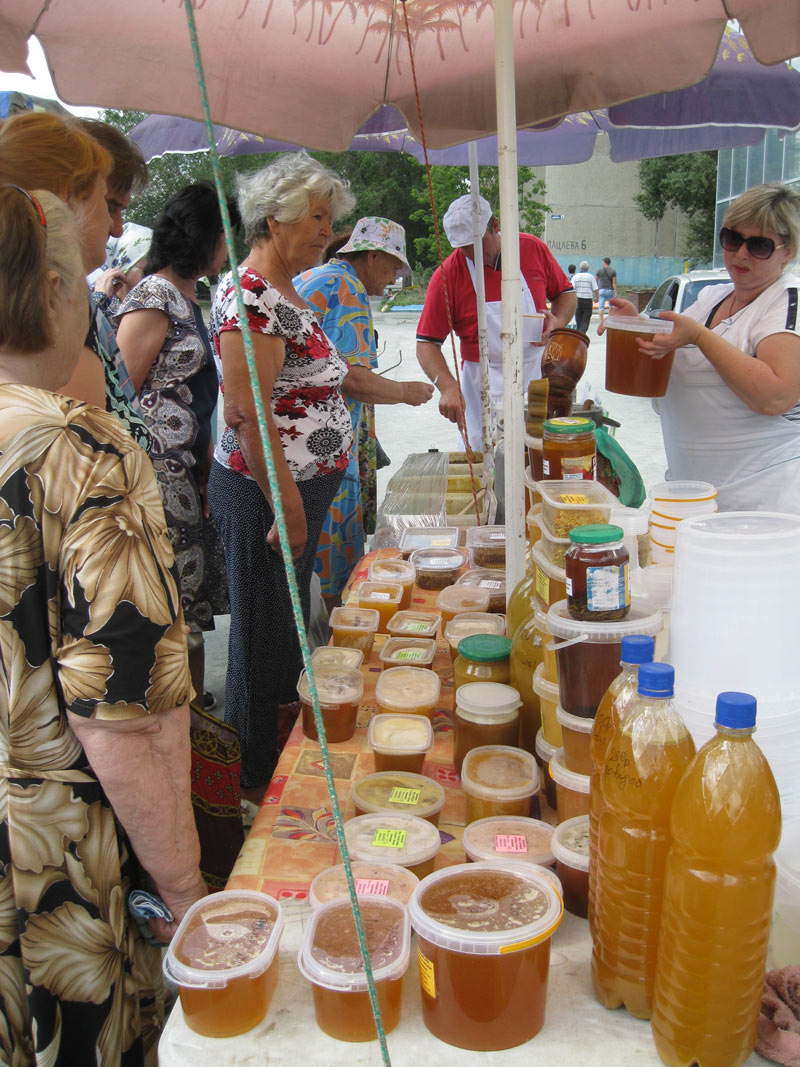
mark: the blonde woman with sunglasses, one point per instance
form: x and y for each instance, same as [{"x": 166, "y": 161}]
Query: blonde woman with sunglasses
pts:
[{"x": 731, "y": 415}]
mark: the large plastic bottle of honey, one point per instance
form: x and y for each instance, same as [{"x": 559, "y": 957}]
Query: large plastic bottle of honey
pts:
[
  {"x": 527, "y": 652},
  {"x": 636, "y": 649},
  {"x": 521, "y": 604},
  {"x": 645, "y": 759},
  {"x": 715, "y": 923}
]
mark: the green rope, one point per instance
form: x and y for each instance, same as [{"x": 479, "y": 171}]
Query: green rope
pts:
[{"x": 277, "y": 507}]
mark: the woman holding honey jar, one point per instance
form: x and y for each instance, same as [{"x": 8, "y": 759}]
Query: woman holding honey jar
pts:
[{"x": 731, "y": 414}]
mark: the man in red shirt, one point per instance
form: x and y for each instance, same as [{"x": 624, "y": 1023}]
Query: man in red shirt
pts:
[{"x": 542, "y": 280}]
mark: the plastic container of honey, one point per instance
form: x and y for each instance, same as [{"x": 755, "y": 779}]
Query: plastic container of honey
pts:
[
  {"x": 483, "y": 945},
  {"x": 571, "y": 850},
  {"x": 354, "y": 628},
  {"x": 487, "y": 546},
  {"x": 629, "y": 371},
  {"x": 398, "y": 792},
  {"x": 533, "y": 524},
  {"x": 509, "y": 838},
  {"x": 400, "y": 742},
  {"x": 468, "y": 623},
  {"x": 437, "y": 567},
  {"x": 481, "y": 658},
  {"x": 406, "y": 623},
  {"x": 414, "y": 537},
  {"x": 555, "y": 548},
  {"x": 588, "y": 653},
  {"x": 456, "y": 599},
  {"x": 548, "y": 704},
  {"x": 491, "y": 579},
  {"x": 576, "y": 733},
  {"x": 224, "y": 960},
  {"x": 413, "y": 651},
  {"x": 535, "y": 448},
  {"x": 383, "y": 837},
  {"x": 551, "y": 581},
  {"x": 331, "y": 656},
  {"x": 566, "y": 505},
  {"x": 384, "y": 597},
  {"x": 498, "y": 780},
  {"x": 572, "y": 790},
  {"x": 397, "y": 571},
  {"x": 339, "y": 690},
  {"x": 408, "y": 690},
  {"x": 371, "y": 879},
  {"x": 486, "y": 713},
  {"x": 330, "y": 958},
  {"x": 544, "y": 753}
]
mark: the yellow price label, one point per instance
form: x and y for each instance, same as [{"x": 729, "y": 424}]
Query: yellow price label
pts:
[
  {"x": 574, "y": 498},
  {"x": 404, "y": 795},
  {"x": 385, "y": 837},
  {"x": 427, "y": 974}
]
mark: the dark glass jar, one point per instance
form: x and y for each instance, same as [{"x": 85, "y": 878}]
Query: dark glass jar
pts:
[
  {"x": 597, "y": 574},
  {"x": 569, "y": 452}
]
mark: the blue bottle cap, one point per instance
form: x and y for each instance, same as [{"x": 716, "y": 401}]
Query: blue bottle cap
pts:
[
  {"x": 656, "y": 679},
  {"x": 638, "y": 648},
  {"x": 736, "y": 711}
]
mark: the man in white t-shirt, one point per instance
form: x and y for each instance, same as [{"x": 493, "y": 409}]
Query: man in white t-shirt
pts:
[{"x": 585, "y": 286}]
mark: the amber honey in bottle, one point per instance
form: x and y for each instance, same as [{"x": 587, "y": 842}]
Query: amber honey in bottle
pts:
[{"x": 598, "y": 589}]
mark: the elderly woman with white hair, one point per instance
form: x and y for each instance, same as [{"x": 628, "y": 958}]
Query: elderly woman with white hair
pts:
[
  {"x": 286, "y": 210},
  {"x": 585, "y": 286}
]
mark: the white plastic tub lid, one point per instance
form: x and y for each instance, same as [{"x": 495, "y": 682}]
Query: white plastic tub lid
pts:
[
  {"x": 561, "y": 775},
  {"x": 635, "y": 324},
  {"x": 355, "y": 618},
  {"x": 499, "y": 772},
  {"x": 400, "y": 688},
  {"x": 404, "y": 839},
  {"x": 400, "y": 734},
  {"x": 330, "y": 957},
  {"x": 437, "y": 560},
  {"x": 371, "y": 879},
  {"x": 487, "y": 701},
  {"x": 543, "y": 687},
  {"x": 509, "y": 838},
  {"x": 391, "y": 570},
  {"x": 544, "y": 749},
  {"x": 571, "y": 842},
  {"x": 428, "y": 537},
  {"x": 641, "y": 619},
  {"x": 416, "y": 623},
  {"x": 335, "y": 656},
  {"x": 403, "y": 792},
  {"x": 335, "y": 685},
  {"x": 485, "y": 578},
  {"x": 467, "y": 623},
  {"x": 517, "y": 908},
  {"x": 683, "y": 492},
  {"x": 453, "y": 598},
  {"x": 577, "y": 723}
]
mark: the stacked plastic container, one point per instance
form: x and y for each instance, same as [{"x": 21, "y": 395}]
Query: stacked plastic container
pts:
[{"x": 670, "y": 504}]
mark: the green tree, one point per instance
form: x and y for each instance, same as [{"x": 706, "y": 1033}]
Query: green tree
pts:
[{"x": 686, "y": 182}]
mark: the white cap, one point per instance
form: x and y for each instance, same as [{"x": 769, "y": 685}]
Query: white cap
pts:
[{"x": 457, "y": 220}]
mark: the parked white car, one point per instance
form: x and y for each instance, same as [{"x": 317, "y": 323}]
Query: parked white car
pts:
[{"x": 680, "y": 291}]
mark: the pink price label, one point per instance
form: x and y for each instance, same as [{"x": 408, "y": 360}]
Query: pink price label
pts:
[
  {"x": 378, "y": 886},
  {"x": 510, "y": 843}
]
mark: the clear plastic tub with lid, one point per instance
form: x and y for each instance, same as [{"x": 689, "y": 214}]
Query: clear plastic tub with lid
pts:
[
  {"x": 407, "y": 623},
  {"x": 498, "y": 780},
  {"x": 400, "y": 742},
  {"x": 414, "y": 537},
  {"x": 544, "y": 753},
  {"x": 339, "y": 690},
  {"x": 555, "y": 548},
  {"x": 330, "y": 958},
  {"x": 224, "y": 960},
  {"x": 402, "y": 792},
  {"x": 371, "y": 879},
  {"x": 571, "y": 850},
  {"x": 566, "y": 505},
  {"x": 408, "y": 690},
  {"x": 511, "y": 838},
  {"x": 411, "y": 651},
  {"x": 386, "y": 838},
  {"x": 437, "y": 567},
  {"x": 384, "y": 597},
  {"x": 491, "y": 579},
  {"x": 486, "y": 713},
  {"x": 331, "y": 656},
  {"x": 576, "y": 735},
  {"x": 551, "y": 581},
  {"x": 483, "y": 943},
  {"x": 456, "y": 599},
  {"x": 481, "y": 658},
  {"x": 547, "y": 693},
  {"x": 468, "y": 623},
  {"x": 628, "y": 370},
  {"x": 572, "y": 790},
  {"x": 398, "y": 571},
  {"x": 487, "y": 546},
  {"x": 354, "y": 628}
]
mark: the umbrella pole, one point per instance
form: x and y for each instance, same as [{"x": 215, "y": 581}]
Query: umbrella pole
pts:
[
  {"x": 480, "y": 296},
  {"x": 511, "y": 290}
]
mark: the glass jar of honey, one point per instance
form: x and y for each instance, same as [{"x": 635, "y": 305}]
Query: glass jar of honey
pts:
[
  {"x": 482, "y": 658},
  {"x": 486, "y": 714},
  {"x": 596, "y": 564},
  {"x": 568, "y": 450}
]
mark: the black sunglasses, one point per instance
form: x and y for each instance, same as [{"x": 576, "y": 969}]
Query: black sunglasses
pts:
[{"x": 758, "y": 247}]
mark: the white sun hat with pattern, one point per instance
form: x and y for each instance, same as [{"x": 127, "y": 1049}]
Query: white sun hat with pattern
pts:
[{"x": 374, "y": 234}]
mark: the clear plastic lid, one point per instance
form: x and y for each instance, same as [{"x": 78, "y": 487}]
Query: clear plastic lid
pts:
[
  {"x": 486, "y": 535},
  {"x": 485, "y": 578},
  {"x": 414, "y": 537},
  {"x": 414, "y": 623},
  {"x": 391, "y": 570},
  {"x": 509, "y": 837},
  {"x": 347, "y": 618},
  {"x": 499, "y": 772},
  {"x": 468, "y": 623},
  {"x": 561, "y": 775},
  {"x": 543, "y": 688},
  {"x": 335, "y": 686},
  {"x": 571, "y": 842},
  {"x": 486, "y": 909},
  {"x": 398, "y": 791},
  {"x": 400, "y": 735},
  {"x": 460, "y": 598},
  {"x": 438, "y": 560},
  {"x": 333, "y": 656},
  {"x": 634, "y": 324},
  {"x": 407, "y": 688},
  {"x": 682, "y": 492},
  {"x": 547, "y": 565},
  {"x": 641, "y": 619},
  {"x": 386, "y": 838},
  {"x": 566, "y": 504},
  {"x": 544, "y": 749},
  {"x": 574, "y": 722},
  {"x": 416, "y": 651},
  {"x": 386, "y": 592},
  {"x": 487, "y": 546},
  {"x": 371, "y": 879},
  {"x": 227, "y": 935},
  {"x": 487, "y": 702},
  {"x": 330, "y": 955}
]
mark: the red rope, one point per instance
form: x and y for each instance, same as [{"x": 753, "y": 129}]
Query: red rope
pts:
[{"x": 461, "y": 424}]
